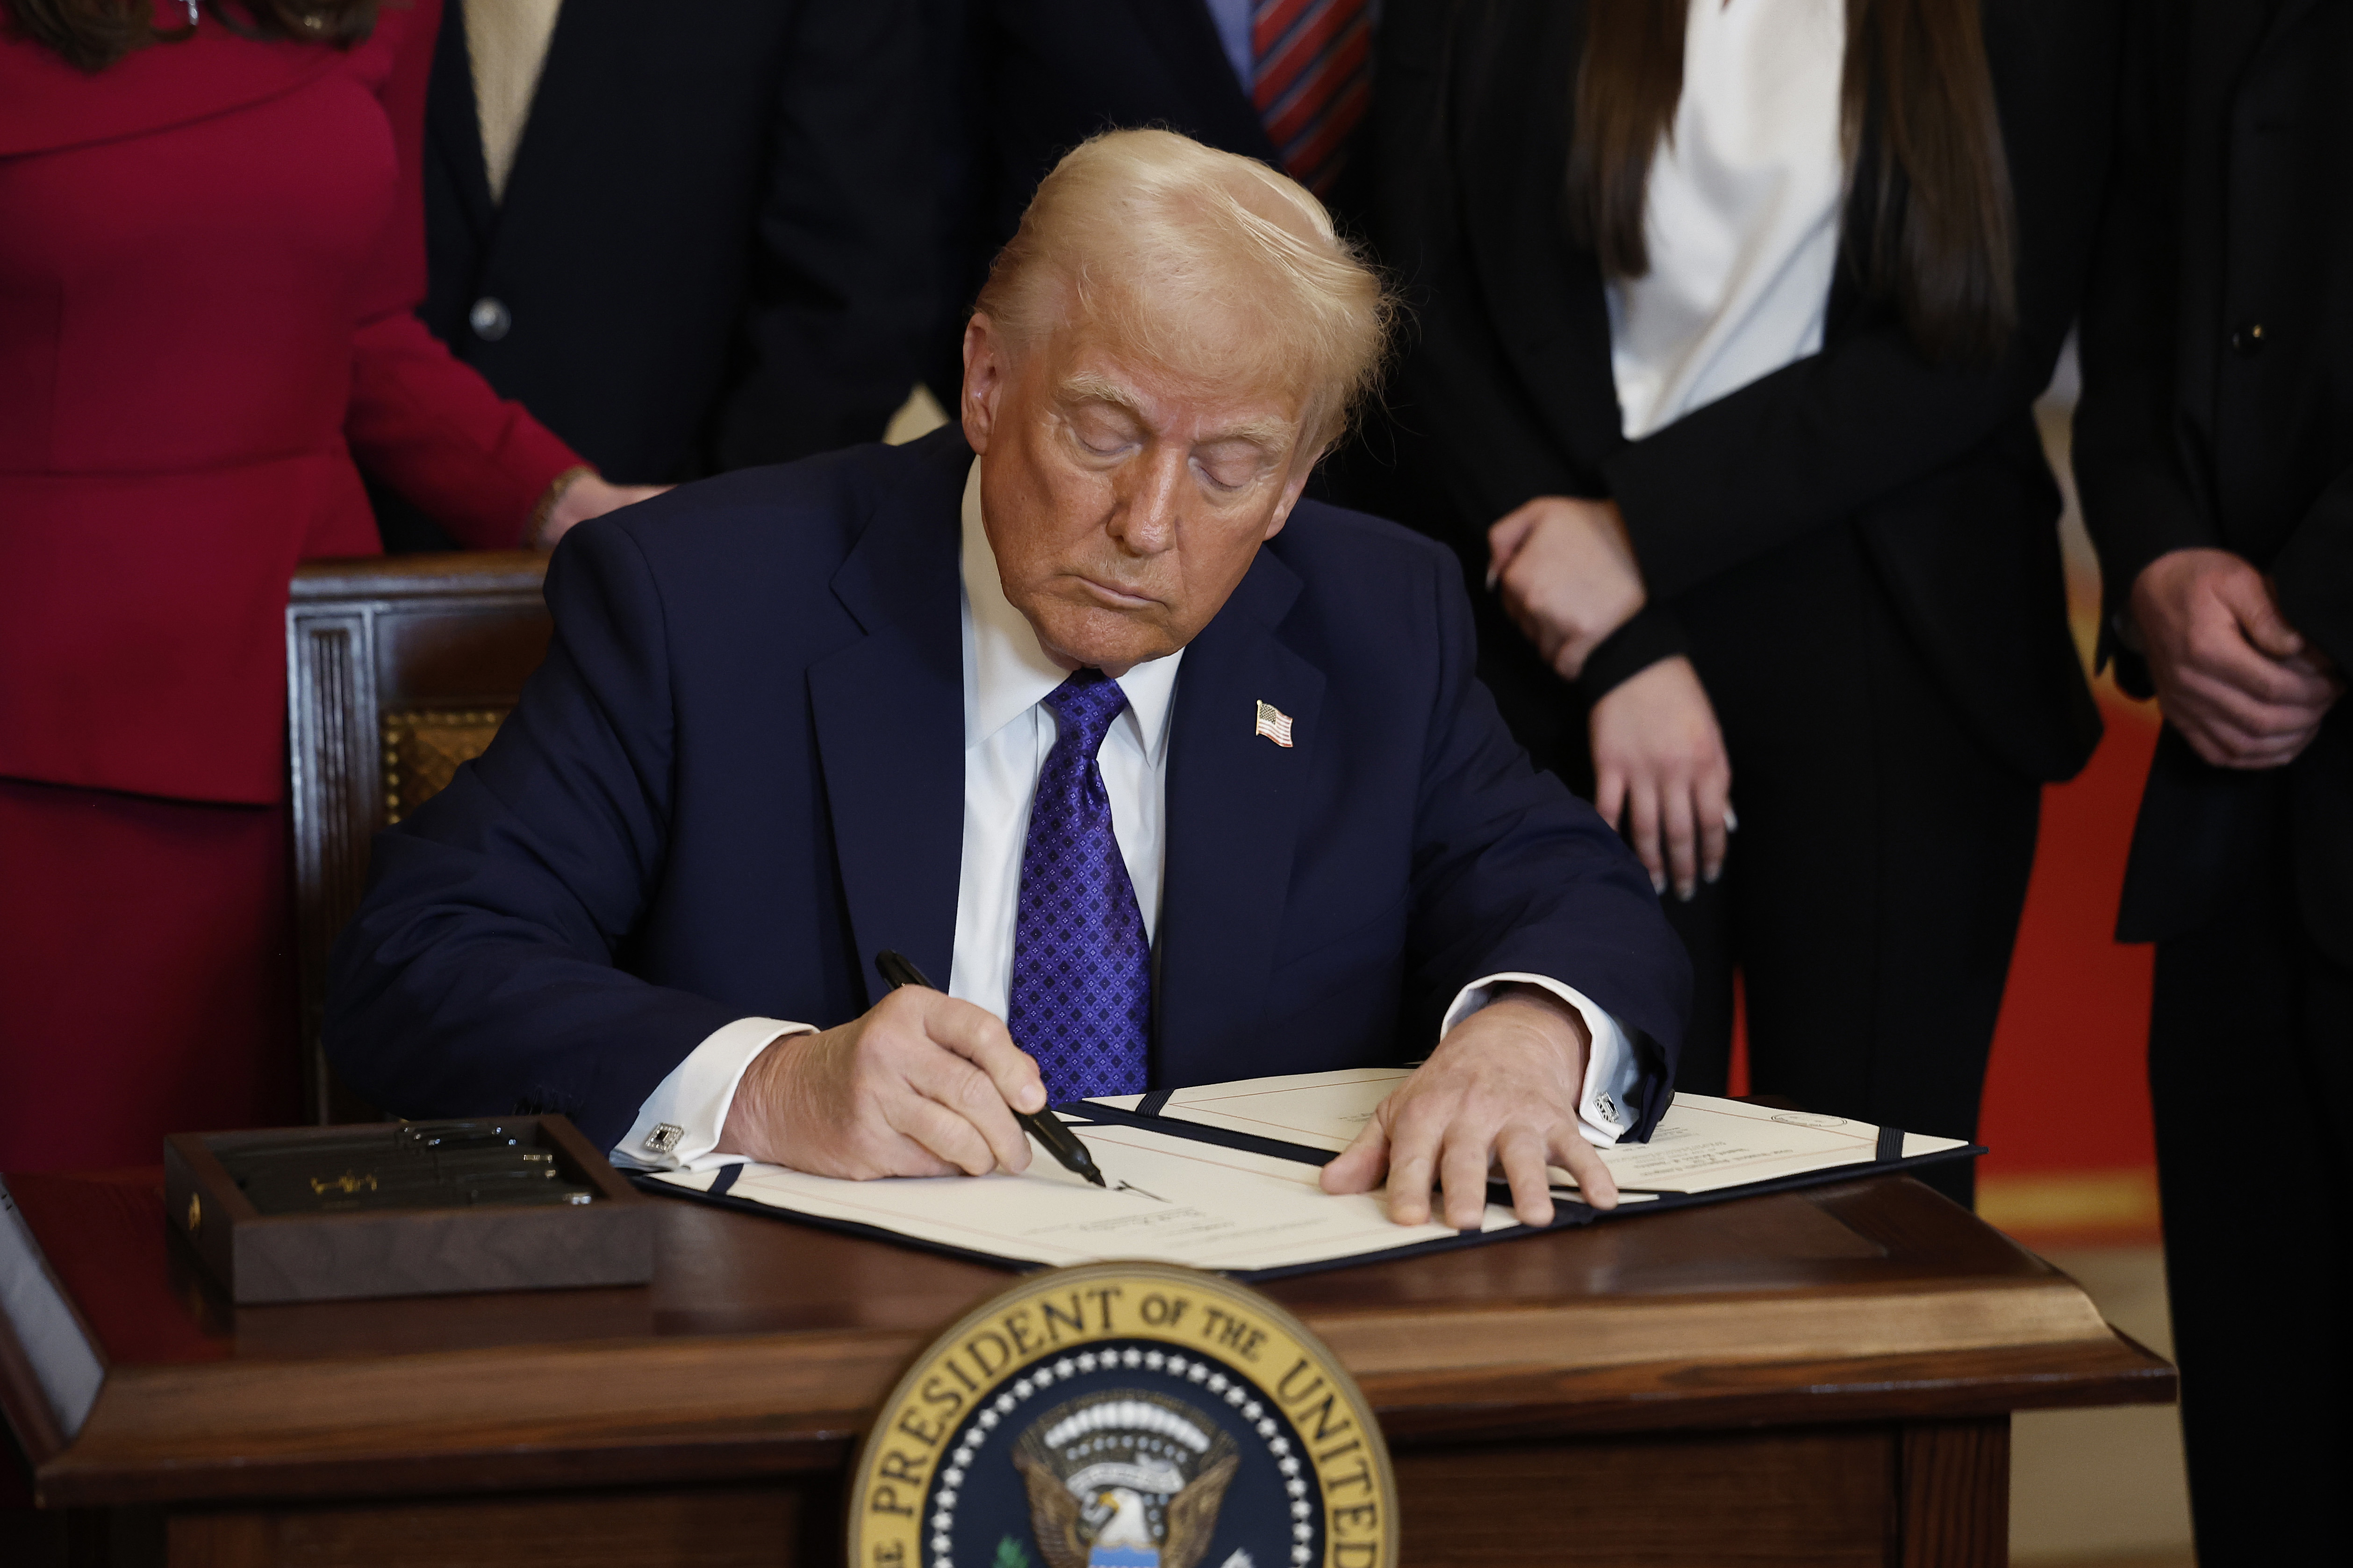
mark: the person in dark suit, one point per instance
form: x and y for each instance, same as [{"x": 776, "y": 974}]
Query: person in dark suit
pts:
[
  {"x": 1284, "y": 81},
  {"x": 795, "y": 716},
  {"x": 1736, "y": 422},
  {"x": 2215, "y": 449},
  {"x": 687, "y": 237}
]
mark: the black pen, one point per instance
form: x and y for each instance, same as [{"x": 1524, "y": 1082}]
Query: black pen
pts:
[{"x": 1043, "y": 1125}]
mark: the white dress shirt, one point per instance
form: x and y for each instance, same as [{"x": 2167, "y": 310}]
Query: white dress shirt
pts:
[
  {"x": 1742, "y": 212},
  {"x": 1007, "y": 731}
]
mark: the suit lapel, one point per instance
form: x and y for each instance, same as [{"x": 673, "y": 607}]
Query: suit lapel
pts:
[
  {"x": 1187, "y": 39},
  {"x": 454, "y": 124},
  {"x": 585, "y": 79},
  {"x": 1543, "y": 291},
  {"x": 889, "y": 712},
  {"x": 2285, "y": 17},
  {"x": 1234, "y": 805}
]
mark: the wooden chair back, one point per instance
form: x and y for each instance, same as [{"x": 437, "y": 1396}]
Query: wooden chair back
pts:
[{"x": 398, "y": 668}]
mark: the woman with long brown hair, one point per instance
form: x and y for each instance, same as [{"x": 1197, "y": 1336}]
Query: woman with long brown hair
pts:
[
  {"x": 1732, "y": 315},
  {"x": 210, "y": 242}
]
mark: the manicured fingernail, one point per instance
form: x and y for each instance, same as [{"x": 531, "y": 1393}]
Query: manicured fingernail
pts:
[
  {"x": 1494, "y": 575},
  {"x": 1711, "y": 874},
  {"x": 1686, "y": 892},
  {"x": 1658, "y": 884}
]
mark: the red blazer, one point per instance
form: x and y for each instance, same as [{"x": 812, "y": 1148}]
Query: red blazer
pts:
[{"x": 209, "y": 257}]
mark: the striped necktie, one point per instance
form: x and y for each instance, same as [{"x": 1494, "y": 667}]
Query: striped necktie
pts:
[{"x": 1312, "y": 65}]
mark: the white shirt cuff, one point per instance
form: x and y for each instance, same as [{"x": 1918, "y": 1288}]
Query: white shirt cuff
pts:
[
  {"x": 1605, "y": 1110},
  {"x": 679, "y": 1125}
]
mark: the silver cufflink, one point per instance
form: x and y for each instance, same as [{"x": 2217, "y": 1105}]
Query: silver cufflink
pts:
[
  {"x": 1602, "y": 1102},
  {"x": 664, "y": 1137}
]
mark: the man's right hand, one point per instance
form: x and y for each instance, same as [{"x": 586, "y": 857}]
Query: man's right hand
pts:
[
  {"x": 2231, "y": 675},
  {"x": 920, "y": 1086}
]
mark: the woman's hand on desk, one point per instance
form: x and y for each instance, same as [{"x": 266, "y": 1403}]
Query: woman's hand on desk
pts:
[
  {"x": 917, "y": 1087},
  {"x": 1661, "y": 774},
  {"x": 1568, "y": 576},
  {"x": 1502, "y": 1089}
]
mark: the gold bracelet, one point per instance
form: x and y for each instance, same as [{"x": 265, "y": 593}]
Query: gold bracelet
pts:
[{"x": 535, "y": 528}]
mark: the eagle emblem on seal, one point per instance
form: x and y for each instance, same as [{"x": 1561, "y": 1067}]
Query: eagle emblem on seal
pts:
[{"x": 1124, "y": 1478}]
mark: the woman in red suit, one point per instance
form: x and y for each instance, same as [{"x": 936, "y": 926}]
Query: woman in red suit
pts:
[{"x": 211, "y": 236}]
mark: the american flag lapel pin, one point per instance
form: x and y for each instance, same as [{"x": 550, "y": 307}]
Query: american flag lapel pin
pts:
[{"x": 1273, "y": 723}]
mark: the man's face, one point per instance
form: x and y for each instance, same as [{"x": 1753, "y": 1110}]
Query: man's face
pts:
[{"x": 1124, "y": 501}]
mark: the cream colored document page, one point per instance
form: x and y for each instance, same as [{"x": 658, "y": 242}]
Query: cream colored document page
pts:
[
  {"x": 1171, "y": 1200},
  {"x": 1701, "y": 1144}
]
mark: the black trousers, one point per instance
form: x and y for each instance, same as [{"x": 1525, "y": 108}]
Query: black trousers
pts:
[
  {"x": 2250, "y": 1069},
  {"x": 1870, "y": 898}
]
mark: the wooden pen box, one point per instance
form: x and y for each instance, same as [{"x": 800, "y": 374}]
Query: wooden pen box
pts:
[{"x": 606, "y": 1239}]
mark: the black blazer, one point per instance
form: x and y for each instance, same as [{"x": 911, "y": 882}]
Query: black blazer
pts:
[
  {"x": 2233, "y": 211},
  {"x": 716, "y": 246},
  {"x": 1505, "y": 392},
  {"x": 1024, "y": 81},
  {"x": 740, "y": 773}
]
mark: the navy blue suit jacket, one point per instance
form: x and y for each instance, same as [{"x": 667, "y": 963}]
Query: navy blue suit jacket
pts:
[{"x": 741, "y": 773}]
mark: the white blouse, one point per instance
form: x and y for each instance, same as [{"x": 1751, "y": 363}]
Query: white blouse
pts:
[{"x": 1742, "y": 212}]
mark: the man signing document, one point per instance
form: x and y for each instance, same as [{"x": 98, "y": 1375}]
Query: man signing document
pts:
[{"x": 1178, "y": 776}]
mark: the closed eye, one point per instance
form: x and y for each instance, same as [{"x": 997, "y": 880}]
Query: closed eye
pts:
[
  {"x": 1101, "y": 429},
  {"x": 1230, "y": 468}
]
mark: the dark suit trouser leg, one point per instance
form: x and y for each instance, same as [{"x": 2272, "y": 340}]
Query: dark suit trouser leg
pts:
[
  {"x": 2250, "y": 1065},
  {"x": 1872, "y": 892},
  {"x": 1705, "y": 925}
]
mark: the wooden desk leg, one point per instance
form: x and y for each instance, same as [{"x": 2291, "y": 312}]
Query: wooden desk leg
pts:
[{"x": 1953, "y": 1488}]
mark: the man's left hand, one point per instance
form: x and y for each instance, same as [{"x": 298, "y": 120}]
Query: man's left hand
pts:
[{"x": 1502, "y": 1089}]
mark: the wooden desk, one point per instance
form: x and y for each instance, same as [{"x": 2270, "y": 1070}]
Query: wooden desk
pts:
[{"x": 1816, "y": 1378}]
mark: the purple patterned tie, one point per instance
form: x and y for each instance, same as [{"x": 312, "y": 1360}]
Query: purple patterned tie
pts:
[{"x": 1081, "y": 1001}]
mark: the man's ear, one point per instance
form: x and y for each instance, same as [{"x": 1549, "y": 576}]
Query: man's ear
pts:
[
  {"x": 1292, "y": 488},
  {"x": 984, "y": 379}
]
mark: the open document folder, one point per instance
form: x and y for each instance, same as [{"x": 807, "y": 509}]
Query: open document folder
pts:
[
  {"x": 1701, "y": 1146},
  {"x": 1224, "y": 1177}
]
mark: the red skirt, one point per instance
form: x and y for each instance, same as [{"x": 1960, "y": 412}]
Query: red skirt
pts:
[{"x": 146, "y": 974}]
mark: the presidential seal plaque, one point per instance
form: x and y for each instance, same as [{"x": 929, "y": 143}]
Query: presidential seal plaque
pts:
[{"x": 1125, "y": 1415}]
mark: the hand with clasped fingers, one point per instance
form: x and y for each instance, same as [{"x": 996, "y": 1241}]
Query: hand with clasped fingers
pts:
[
  {"x": 1500, "y": 1092},
  {"x": 1567, "y": 571},
  {"x": 921, "y": 1085},
  {"x": 1568, "y": 576},
  {"x": 2243, "y": 687}
]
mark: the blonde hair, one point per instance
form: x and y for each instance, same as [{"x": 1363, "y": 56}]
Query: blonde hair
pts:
[{"x": 1203, "y": 261}]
